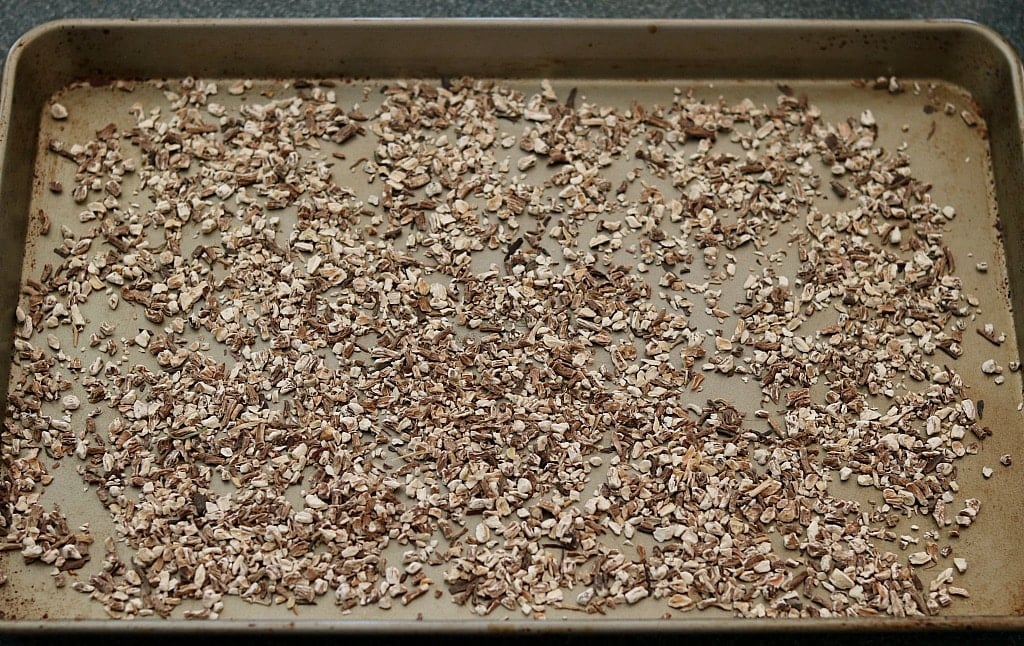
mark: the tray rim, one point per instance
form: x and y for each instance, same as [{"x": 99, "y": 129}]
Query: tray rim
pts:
[
  {"x": 688, "y": 624},
  {"x": 517, "y": 626},
  {"x": 963, "y": 25}
]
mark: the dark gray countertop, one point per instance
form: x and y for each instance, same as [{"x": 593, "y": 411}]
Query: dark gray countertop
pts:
[{"x": 1005, "y": 16}]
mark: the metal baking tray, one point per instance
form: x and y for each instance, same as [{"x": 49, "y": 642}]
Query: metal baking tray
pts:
[{"x": 978, "y": 168}]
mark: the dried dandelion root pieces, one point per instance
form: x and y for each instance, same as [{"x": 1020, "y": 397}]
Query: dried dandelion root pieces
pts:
[{"x": 512, "y": 340}]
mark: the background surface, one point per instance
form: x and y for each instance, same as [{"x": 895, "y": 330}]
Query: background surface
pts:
[{"x": 1004, "y": 16}]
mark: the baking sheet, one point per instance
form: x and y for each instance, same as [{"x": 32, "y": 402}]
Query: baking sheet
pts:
[{"x": 956, "y": 158}]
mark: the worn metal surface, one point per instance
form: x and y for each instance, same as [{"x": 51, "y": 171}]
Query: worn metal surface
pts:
[{"x": 612, "y": 64}]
